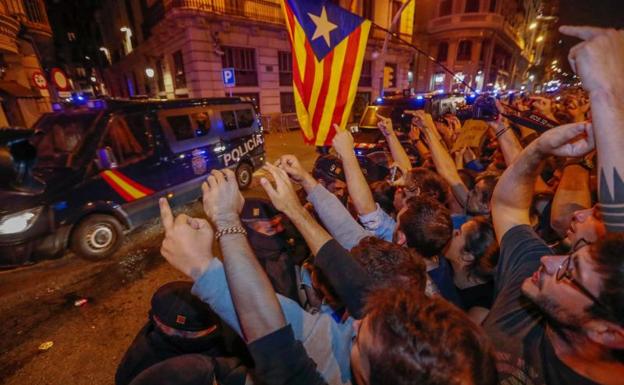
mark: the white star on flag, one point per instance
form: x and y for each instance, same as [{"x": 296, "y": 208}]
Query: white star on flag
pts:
[{"x": 323, "y": 26}]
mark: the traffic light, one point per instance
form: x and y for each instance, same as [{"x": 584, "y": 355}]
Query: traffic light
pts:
[{"x": 389, "y": 80}]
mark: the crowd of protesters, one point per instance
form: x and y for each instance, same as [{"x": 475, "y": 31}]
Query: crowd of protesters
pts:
[{"x": 500, "y": 264}]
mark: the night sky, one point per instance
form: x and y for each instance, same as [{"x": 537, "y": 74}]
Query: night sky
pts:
[{"x": 600, "y": 13}]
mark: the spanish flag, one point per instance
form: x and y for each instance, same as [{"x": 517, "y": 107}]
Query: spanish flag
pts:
[{"x": 328, "y": 45}]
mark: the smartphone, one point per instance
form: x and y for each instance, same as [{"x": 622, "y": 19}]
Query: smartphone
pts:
[{"x": 395, "y": 174}]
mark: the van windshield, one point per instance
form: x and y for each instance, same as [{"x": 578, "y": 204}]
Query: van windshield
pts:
[{"x": 59, "y": 136}]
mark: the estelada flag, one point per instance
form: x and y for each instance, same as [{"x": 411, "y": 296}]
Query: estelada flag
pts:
[{"x": 328, "y": 46}]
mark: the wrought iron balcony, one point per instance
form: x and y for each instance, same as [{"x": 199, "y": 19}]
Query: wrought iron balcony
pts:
[
  {"x": 266, "y": 11},
  {"x": 30, "y": 13}
]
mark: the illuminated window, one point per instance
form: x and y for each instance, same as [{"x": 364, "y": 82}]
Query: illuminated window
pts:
[
  {"x": 464, "y": 51},
  {"x": 437, "y": 80},
  {"x": 179, "y": 76},
  {"x": 472, "y": 5}
]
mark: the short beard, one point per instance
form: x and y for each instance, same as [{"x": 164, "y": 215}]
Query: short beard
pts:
[{"x": 557, "y": 317}]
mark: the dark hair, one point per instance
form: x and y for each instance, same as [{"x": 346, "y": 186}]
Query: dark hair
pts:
[
  {"x": 467, "y": 176},
  {"x": 385, "y": 262},
  {"x": 607, "y": 254},
  {"x": 426, "y": 341},
  {"x": 482, "y": 244},
  {"x": 429, "y": 182},
  {"x": 383, "y": 194},
  {"x": 427, "y": 225}
]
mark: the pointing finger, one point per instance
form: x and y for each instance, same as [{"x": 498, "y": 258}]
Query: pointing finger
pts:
[
  {"x": 582, "y": 32},
  {"x": 218, "y": 175},
  {"x": 166, "y": 216}
]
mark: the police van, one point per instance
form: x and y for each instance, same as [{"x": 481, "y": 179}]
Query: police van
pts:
[{"x": 87, "y": 175}]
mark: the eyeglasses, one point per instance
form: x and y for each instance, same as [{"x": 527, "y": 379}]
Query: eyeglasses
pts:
[{"x": 565, "y": 272}]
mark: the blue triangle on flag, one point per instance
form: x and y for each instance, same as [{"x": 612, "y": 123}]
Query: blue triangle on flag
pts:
[{"x": 331, "y": 21}]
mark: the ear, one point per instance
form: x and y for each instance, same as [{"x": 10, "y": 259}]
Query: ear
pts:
[
  {"x": 605, "y": 333},
  {"x": 401, "y": 239},
  {"x": 467, "y": 257}
]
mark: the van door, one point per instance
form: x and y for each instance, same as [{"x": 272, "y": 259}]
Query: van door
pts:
[
  {"x": 128, "y": 163},
  {"x": 240, "y": 135}
]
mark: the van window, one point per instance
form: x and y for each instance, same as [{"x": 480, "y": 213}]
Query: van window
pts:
[
  {"x": 201, "y": 122},
  {"x": 229, "y": 121},
  {"x": 181, "y": 127},
  {"x": 128, "y": 144},
  {"x": 245, "y": 118}
]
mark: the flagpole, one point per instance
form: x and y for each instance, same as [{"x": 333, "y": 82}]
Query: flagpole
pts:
[{"x": 420, "y": 51}]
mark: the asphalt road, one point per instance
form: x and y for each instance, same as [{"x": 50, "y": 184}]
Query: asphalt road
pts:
[{"x": 38, "y": 302}]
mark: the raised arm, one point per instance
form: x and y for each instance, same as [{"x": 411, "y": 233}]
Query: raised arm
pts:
[
  {"x": 445, "y": 165},
  {"x": 396, "y": 148},
  {"x": 572, "y": 194},
  {"x": 599, "y": 60},
  {"x": 255, "y": 301},
  {"x": 345, "y": 275},
  {"x": 507, "y": 140},
  {"x": 513, "y": 194},
  {"x": 360, "y": 193}
]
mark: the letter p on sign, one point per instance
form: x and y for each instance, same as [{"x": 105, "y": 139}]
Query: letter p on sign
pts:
[{"x": 228, "y": 77}]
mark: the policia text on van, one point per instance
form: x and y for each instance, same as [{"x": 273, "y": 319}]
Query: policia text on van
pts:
[{"x": 85, "y": 176}]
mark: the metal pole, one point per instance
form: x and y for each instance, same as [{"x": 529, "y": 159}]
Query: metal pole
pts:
[{"x": 384, "y": 49}]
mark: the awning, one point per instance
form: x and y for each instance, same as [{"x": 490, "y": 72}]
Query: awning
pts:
[{"x": 15, "y": 89}]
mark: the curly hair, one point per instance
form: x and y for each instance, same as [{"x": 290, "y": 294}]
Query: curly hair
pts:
[
  {"x": 607, "y": 254},
  {"x": 387, "y": 262},
  {"x": 426, "y": 341},
  {"x": 427, "y": 225}
]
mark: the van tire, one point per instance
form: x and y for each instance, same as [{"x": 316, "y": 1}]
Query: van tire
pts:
[
  {"x": 244, "y": 175},
  {"x": 97, "y": 237}
]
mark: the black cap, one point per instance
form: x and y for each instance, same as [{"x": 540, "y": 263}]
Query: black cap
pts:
[
  {"x": 187, "y": 369},
  {"x": 328, "y": 167},
  {"x": 175, "y": 306},
  {"x": 258, "y": 209}
]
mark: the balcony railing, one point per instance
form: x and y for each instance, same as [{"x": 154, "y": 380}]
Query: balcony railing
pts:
[
  {"x": 474, "y": 20},
  {"x": 31, "y": 13},
  {"x": 266, "y": 11}
]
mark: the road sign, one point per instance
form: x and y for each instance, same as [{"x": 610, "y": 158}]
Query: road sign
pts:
[
  {"x": 39, "y": 80},
  {"x": 59, "y": 79},
  {"x": 228, "y": 77}
]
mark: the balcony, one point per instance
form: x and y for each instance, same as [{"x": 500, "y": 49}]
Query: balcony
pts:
[
  {"x": 29, "y": 13},
  {"x": 264, "y": 11},
  {"x": 461, "y": 21}
]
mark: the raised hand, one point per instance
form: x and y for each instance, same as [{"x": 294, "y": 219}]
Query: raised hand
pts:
[
  {"x": 296, "y": 172},
  {"x": 599, "y": 59},
  {"x": 187, "y": 245},
  {"x": 385, "y": 125},
  {"x": 283, "y": 195},
  {"x": 343, "y": 142},
  {"x": 222, "y": 199},
  {"x": 570, "y": 140}
]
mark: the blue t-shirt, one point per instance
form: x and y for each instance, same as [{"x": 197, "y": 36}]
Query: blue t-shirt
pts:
[{"x": 442, "y": 276}]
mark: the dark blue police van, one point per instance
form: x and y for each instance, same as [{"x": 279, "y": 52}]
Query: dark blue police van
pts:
[{"x": 85, "y": 176}]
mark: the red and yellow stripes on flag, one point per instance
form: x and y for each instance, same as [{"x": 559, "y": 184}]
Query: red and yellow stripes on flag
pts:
[
  {"x": 124, "y": 186},
  {"x": 324, "y": 90}
]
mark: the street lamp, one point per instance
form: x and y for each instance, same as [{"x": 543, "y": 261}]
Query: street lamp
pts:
[
  {"x": 540, "y": 39},
  {"x": 533, "y": 25},
  {"x": 127, "y": 39},
  {"x": 149, "y": 72},
  {"x": 106, "y": 53}
]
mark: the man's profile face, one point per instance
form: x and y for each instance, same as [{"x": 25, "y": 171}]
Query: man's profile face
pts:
[
  {"x": 562, "y": 300},
  {"x": 586, "y": 225}
]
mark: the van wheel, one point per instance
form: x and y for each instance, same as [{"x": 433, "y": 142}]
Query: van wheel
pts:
[
  {"x": 244, "y": 175},
  {"x": 97, "y": 237}
]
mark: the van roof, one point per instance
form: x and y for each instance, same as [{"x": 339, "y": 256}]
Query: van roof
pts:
[{"x": 117, "y": 103}]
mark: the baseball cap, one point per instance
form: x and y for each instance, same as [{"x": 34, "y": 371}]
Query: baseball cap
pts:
[
  {"x": 175, "y": 306},
  {"x": 328, "y": 167},
  {"x": 258, "y": 209}
]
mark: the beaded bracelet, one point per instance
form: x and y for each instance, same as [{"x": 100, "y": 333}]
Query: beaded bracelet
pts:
[{"x": 500, "y": 133}]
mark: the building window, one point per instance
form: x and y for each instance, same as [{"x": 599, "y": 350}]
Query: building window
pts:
[
  {"x": 179, "y": 78},
  {"x": 33, "y": 11},
  {"x": 243, "y": 60},
  {"x": 160, "y": 76},
  {"x": 366, "y": 77},
  {"x": 443, "y": 51},
  {"x": 287, "y": 102},
  {"x": 492, "y": 5},
  {"x": 71, "y": 36},
  {"x": 446, "y": 7},
  {"x": 484, "y": 48},
  {"x": 437, "y": 81},
  {"x": 472, "y": 5},
  {"x": 285, "y": 68},
  {"x": 464, "y": 51}
]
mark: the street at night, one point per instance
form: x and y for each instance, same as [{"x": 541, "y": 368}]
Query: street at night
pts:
[
  {"x": 311, "y": 192},
  {"x": 38, "y": 303}
]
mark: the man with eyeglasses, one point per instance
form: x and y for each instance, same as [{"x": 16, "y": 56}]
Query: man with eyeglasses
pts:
[{"x": 556, "y": 319}]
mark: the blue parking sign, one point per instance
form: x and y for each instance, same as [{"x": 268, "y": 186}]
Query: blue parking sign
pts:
[{"x": 228, "y": 77}]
